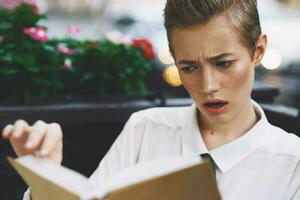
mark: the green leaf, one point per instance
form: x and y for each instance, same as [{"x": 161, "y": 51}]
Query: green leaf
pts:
[
  {"x": 5, "y": 26},
  {"x": 10, "y": 72},
  {"x": 87, "y": 77},
  {"x": 9, "y": 57}
]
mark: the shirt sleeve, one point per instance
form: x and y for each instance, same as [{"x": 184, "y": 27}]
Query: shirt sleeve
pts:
[
  {"x": 293, "y": 190},
  {"x": 123, "y": 153}
]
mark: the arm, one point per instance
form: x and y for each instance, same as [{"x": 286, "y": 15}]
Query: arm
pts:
[{"x": 123, "y": 153}]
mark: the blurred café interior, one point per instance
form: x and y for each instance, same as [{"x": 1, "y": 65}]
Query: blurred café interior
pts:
[{"x": 94, "y": 101}]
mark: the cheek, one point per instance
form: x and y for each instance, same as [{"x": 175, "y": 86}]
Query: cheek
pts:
[
  {"x": 241, "y": 78},
  {"x": 189, "y": 83}
]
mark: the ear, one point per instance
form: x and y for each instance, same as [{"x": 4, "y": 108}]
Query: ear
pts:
[{"x": 261, "y": 46}]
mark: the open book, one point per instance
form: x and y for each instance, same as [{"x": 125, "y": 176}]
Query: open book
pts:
[{"x": 166, "y": 179}]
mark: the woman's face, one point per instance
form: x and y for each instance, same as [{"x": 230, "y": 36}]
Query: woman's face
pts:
[{"x": 216, "y": 68}]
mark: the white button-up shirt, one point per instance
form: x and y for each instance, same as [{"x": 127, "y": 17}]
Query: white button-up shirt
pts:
[{"x": 262, "y": 164}]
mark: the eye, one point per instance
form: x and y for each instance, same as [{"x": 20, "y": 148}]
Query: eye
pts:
[
  {"x": 223, "y": 64},
  {"x": 188, "y": 69}
]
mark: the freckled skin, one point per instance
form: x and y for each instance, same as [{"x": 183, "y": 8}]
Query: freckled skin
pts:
[{"x": 199, "y": 44}]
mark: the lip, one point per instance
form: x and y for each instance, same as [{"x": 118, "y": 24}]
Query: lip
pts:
[{"x": 215, "y": 110}]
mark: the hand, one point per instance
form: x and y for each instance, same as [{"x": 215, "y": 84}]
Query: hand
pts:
[{"x": 41, "y": 139}]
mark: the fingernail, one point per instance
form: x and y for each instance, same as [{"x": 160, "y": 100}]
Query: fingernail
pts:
[{"x": 16, "y": 135}]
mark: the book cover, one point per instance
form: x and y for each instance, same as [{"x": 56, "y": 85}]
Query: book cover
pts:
[{"x": 166, "y": 179}]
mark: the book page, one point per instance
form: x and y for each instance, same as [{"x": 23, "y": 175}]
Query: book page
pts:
[
  {"x": 68, "y": 179},
  {"x": 150, "y": 169},
  {"x": 166, "y": 179}
]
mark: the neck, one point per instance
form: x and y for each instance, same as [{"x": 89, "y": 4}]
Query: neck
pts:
[{"x": 217, "y": 134}]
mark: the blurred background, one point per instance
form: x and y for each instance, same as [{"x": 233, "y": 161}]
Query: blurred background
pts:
[
  {"x": 277, "y": 85},
  {"x": 280, "y": 20}
]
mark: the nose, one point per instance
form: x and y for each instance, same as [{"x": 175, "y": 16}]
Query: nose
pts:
[{"x": 209, "y": 82}]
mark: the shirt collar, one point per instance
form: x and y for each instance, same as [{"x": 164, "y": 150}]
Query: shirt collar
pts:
[{"x": 228, "y": 155}]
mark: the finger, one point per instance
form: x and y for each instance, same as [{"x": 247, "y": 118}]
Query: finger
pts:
[
  {"x": 38, "y": 131},
  {"x": 52, "y": 139},
  {"x": 20, "y": 127},
  {"x": 7, "y": 131}
]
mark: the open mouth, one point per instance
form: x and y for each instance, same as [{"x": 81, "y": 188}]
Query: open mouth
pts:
[
  {"x": 215, "y": 107},
  {"x": 215, "y": 104}
]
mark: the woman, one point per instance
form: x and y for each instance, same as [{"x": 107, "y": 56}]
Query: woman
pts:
[{"x": 216, "y": 45}]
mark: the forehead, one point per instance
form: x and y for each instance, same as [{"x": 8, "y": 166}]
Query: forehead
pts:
[{"x": 216, "y": 36}]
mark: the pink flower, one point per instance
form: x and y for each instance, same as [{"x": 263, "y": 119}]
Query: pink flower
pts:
[
  {"x": 11, "y": 4},
  {"x": 119, "y": 38},
  {"x": 37, "y": 33},
  {"x": 64, "y": 50},
  {"x": 67, "y": 64},
  {"x": 32, "y": 2},
  {"x": 73, "y": 29}
]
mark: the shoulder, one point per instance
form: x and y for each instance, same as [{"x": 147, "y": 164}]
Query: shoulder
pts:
[
  {"x": 152, "y": 120},
  {"x": 166, "y": 116},
  {"x": 281, "y": 142}
]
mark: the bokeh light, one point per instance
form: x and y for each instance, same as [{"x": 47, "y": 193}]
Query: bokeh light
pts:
[
  {"x": 272, "y": 59},
  {"x": 171, "y": 76}
]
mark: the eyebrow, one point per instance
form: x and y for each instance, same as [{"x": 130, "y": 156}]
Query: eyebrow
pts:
[{"x": 190, "y": 62}]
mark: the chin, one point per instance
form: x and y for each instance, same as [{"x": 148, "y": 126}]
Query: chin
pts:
[{"x": 222, "y": 118}]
